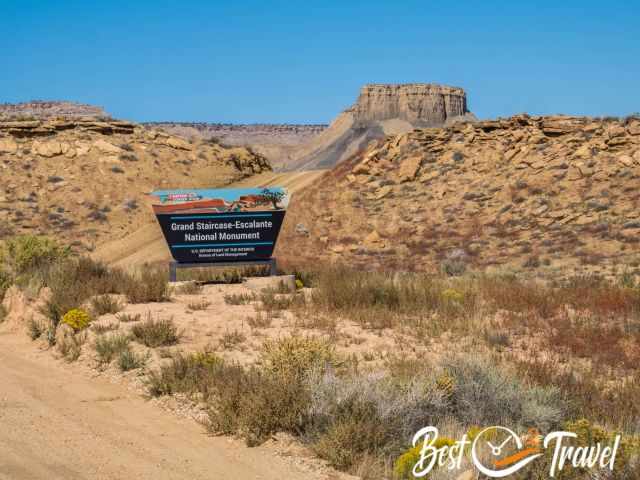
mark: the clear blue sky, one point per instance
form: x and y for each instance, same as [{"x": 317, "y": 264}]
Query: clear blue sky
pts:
[{"x": 275, "y": 61}]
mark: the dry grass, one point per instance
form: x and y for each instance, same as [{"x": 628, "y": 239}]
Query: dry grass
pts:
[
  {"x": 156, "y": 333},
  {"x": 239, "y": 298},
  {"x": 103, "y": 304},
  {"x": 195, "y": 306},
  {"x": 109, "y": 346}
]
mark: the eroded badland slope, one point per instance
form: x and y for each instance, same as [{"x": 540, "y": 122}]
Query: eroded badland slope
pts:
[
  {"x": 85, "y": 181},
  {"x": 523, "y": 192}
]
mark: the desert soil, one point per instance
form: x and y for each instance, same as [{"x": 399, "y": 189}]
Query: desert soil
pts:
[{"x": 60, "y": 423}]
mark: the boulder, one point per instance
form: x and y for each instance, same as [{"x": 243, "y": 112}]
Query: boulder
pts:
[
  {"x": 633, "y": 128},
  {"x": 177, "y": 143},
  {"x": 382, "y": 192},
  {"x": 103, "y": 146},
  {"x": 409, "y": 168},
  {"x": 47, "y": 148}
]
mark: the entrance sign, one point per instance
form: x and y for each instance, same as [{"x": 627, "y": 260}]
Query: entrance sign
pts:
[{"x": 222, "y": 225}]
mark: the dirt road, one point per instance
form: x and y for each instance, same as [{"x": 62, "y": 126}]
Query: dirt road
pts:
[{"x": 59, "y": 423}]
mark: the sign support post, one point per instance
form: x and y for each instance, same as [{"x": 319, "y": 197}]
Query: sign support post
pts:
[{"x": 174, "y": 266}]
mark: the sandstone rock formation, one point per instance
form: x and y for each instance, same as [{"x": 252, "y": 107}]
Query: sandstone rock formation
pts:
[
  {"x": 380, "y": 110},
  {"x": 423, "y": 105},
  {"x": 41, "y": 109},
  {"x": 85, "y": 181},
  {"x": 532, "y": 193}
]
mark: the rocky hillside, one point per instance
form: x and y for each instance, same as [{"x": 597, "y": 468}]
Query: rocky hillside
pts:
[
  {"x": 86, "y": 181},
  {"x": 380, "y": 110},
  {"x": 525, "y": 192},
  {"x": 43, "y": 109}
]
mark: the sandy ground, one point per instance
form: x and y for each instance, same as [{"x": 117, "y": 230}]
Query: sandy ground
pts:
[{"x": 59, "y": 423}]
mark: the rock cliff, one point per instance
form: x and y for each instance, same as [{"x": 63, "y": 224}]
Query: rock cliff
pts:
[
  {"x": 541, "y": 194},
  {"x": 421, "y": 104}
]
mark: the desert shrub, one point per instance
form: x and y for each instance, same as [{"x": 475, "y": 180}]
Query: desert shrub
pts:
[
  {"x": 403, "y": 466},
  {"x": 70, "y": 347},
  {"x": 453, "y": 267},
  {"x": 402, "y": 405},
  {"x": 35, "y": 329},
  {"x": 102, "y": 328},
  {"x": 274, "y": 302},
  {"x": 108, "y": 346},
  {"x": 150, "y": 285},
  {"x": 5, "y": 280},
  {"x": 239, "y": 298},
  {"x": 194, "y": 306},
  {"x": 3, "y": 313},
  {"x": 188, "y": 374},
  {"x": 103, "y": 304},
  {"x": 156, "y": 333},
  {"x": 356, "y": 430},
  {"x": 129, "y": 317},
  {"x": 29, "y": 253},
  {"x": 260, "y": 320},
  {"x": 129, "y": 360},
  {"x": 485, "y": 394},
  {"x": 189, "y": 288},
  {"x": 231, "y": 340},
  {"x": 586, "y": 394},
  {"x": 381, "y": 300},
  {"x": 256, "y": 403},
  {"x": 297, "y": 355},
  {"x": 77, "y": 319},
  {"x": 73, "y": 281}
]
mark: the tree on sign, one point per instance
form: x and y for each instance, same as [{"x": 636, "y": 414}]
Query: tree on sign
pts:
[{"x": 272, "y": 196}]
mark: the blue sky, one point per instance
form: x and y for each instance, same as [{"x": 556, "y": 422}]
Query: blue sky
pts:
[{"x": 303, "y": 62}]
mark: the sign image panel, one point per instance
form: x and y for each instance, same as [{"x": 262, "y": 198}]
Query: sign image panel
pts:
[{"x": 220, "y": 225}]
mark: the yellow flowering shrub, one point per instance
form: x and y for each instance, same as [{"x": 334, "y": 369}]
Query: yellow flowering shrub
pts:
[
  {"x": 403, "y": 466},
  {"x": 299, "y": 284},
  {"x": 77, "y": 319},
  {"x": 452, "y": 295},
  {"x": 296, "y": 354}
]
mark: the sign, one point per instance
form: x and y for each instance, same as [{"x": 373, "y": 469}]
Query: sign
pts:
[{"x": 223, "y": 225}]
